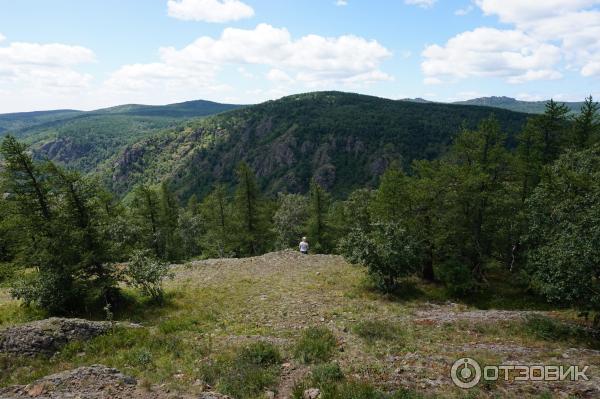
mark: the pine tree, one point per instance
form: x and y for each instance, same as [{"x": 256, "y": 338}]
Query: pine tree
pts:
[
  {"x": 251, "y": 220},
  {"x": 169, "y": 224},
  {"x": 217, "y": 214},
  {"x": 146, "y": 214},
  {"x": 586, "y": 126}
]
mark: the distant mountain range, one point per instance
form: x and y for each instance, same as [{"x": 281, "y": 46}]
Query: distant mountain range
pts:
[{"x": 512, "y": 104}]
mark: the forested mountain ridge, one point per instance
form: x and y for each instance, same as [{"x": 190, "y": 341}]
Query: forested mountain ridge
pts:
[
  {"x": 84, "y": 140},
  {"x": 22, "y": 120},
  {"x": 343, "y": 140},
  {"x": 532, "y": 107}
]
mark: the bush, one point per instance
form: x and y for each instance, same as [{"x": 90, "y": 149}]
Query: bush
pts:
[
  {"x": 147, "y": 273},
  {"x": 316, "y": 344},
  {"x": 549, "y": 329},
  {"x": 387, "y": 251},
  {"x": 457, "y": 277},
  {"x": 374, "y": 330},
  {"x": 260, "y": 354}
]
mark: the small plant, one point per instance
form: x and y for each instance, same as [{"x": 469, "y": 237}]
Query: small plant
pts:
[
  {"x": 326, "y": 373},
  {"x": 245, "y": 373},
  {"x": 316, "y": 344},
  {"x": 375, "y": 330},
  {"x": 147, "y": 273}
]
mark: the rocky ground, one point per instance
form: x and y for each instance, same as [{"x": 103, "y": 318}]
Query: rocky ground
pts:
[{"x": 274, "y": 297}]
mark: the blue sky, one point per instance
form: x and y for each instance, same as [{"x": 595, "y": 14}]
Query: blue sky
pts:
[{"x": 91, "y": 54}]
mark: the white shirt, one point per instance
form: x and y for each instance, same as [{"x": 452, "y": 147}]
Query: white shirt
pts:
[{"x": 303, "y": 246}]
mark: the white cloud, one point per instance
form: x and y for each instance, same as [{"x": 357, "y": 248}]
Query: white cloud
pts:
[
  {"x": 311, "y": 60},
  {"x": 44, "y": 67},
  {"x": 421, "y": 3},
  {"x": 573, "y": 24},
  {"x": 341, "y": 3},
  {"x": 489, "y": 52},
  {"x": 2, "y": 37},
  {"x": 464, "y": 11},
  {"x": 209, "y": 10}
]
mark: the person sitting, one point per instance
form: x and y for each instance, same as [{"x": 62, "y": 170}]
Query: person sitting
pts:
[{"x": 304, "y": 246}]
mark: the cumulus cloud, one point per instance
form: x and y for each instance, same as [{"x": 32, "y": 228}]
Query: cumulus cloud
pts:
[
  {"x": 489, "y": 52},
  {"x": 545, "y": 36},
  {"x": 217, "y": 11},
  {"x": 46, "y": 67},
  {"x": 341, "y": 3},
  {"x": 573, "y": 24},
  {"x": 421, "y": 3},
  {"x": 311, "y": 60}
]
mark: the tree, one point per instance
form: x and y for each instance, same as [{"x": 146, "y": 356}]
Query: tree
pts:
[
  {"x": 289, "y": 219},
  {"x": 564, "y": 255},
  {"x": 217, "y": 213},
  {"x": 586, "y": 125},
  {"x": 191, "y": 228},
  {"x": 60, "y": 228},
  {"x": 552, "y": 126},
  {"x": 169, "y": 224},
  {"x": 251, "y": 218},
  {"x": 318, "y": 226},
  {"x": 478, "y": 201},
  {"x": 146, "y": 210},
  {"x": 387, "y": 251},
  {"x": 391, "y": 202}
]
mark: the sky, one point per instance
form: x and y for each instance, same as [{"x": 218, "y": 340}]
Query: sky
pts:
[{"x": 90, "y": 54}]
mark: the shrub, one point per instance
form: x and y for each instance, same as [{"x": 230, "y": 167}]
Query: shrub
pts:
[
  {"x": 457, "y": 277},
  {"x": 388, "y": 253},
  {"x": 316, "y": 344},
  {"x": 245, "y": 373},
  {"x": 147, "y": 273}
]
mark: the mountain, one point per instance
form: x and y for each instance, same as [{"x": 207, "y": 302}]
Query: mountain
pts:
[
  {"x": 343, "y": 140},
  {"x": 23, "y": 120},
  {"x": 531, "y": 107},
  {"x": 84, "y": 140}
]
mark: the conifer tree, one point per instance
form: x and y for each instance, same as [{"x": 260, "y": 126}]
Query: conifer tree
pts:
[{"x": 318, "y": 225}]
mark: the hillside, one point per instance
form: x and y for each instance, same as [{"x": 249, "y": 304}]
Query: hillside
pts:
[
  {"x": 344, "y": 140},
  {"x": 84, "y": 140},
  {"x": 24, "y": 120},
  {"x": 216, "y": 309},
  {"x": 531, "y": 107}
]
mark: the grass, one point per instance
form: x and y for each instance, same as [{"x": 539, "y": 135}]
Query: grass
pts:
[
  {"x": 373, "y": 331},
  {"x": 233, "y": 323},
  {"x": 553, "y": 330},
  {"x": 317, "y": 344}
]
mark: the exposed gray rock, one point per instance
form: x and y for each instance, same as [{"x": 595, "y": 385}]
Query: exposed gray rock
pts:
[
  {"x": 46, "y": 337},
  {"x": 94, "y": 382}
]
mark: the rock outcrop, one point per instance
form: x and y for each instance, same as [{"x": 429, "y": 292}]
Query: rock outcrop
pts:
[{"x": 46, "y": 337}]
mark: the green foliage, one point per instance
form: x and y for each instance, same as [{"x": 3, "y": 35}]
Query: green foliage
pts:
[
  {"x": 290, "y": 219},
  {"x": 318, "y": 228},
  {"x": 387, "y": 251},
  {"x": 586, "y": 126},
  {"x": 60, "y": 225},
  {"x": 146, "y": 272},
  {"x": 553, "y": 330},
  {"x": 250, "y": 214},
  {"x": 458, "y": 278},
  {"x": 317, "y": 344},
  {"x": 564, "y": 222},
  {"x": 246, "y": 373},
  {"x": 326, "y": 373},
  {"x": 216, "y": 211}
]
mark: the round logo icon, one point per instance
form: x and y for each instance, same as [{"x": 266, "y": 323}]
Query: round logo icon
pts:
[{"x": 466, "y": 373}]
